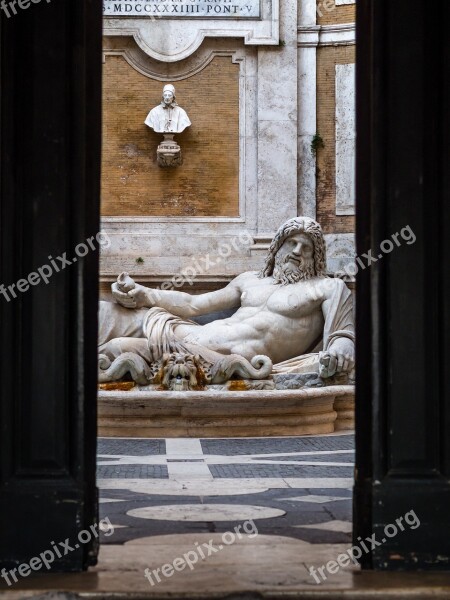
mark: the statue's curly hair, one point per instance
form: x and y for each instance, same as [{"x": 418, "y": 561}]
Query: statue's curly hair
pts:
[{"x": 298, "y": 225}]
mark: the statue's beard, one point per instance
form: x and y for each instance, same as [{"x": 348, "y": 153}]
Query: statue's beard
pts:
[{"x": 285, "y": 272}]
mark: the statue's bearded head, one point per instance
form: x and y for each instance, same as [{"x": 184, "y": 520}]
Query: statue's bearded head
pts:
[{"x": 297, "y": 252}]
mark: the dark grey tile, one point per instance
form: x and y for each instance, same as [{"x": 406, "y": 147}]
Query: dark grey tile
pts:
[
  {"x": 132, "y": 472},
  {"x": 252, "y": 471},
  {"x": 276, "y": 445}
]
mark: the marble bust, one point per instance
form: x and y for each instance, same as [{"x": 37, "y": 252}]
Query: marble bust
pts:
[
  {"x": 289, "y": 318},
  {"x": 168, "y": 117}
]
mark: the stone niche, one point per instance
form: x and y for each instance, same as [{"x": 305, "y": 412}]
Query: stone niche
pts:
[
  {"x": 172, "y": 217},
  {"x": 207, "y": 184}
]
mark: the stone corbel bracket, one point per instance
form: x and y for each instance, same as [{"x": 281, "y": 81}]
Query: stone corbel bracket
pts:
[{"x": 172, "y": 40}]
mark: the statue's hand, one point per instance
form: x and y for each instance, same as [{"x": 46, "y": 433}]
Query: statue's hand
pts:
[
  {"x": 121, "y": 297},
  {"x": 339, "y": 358},
  {"x": 136, "y": 297},
  {"x": 141, "y": 296},
  {"x": 128, "y": 293},
  {"x": 125, "y": 283}
]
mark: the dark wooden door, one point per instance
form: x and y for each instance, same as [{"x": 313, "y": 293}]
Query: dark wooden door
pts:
[
  {"x": 50, "y": 128},
  {"x": 49, "y": 193},
  {"x": 403, "y": 299}
]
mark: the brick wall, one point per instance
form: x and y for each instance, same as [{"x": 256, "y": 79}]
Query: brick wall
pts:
[
  {"x": 207, "y": 184},
  {"x": 328, "y": 13},
  {"x": 327, "y": 58}
]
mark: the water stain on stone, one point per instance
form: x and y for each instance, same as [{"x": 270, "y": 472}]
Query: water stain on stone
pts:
[{"x": 121, "y": 386}]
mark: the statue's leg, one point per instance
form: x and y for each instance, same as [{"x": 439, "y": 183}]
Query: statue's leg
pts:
[{"x": 116, "y": 321}]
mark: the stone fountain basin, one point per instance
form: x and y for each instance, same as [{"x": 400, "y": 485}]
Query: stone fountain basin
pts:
[{"x": 212, "y": 413}]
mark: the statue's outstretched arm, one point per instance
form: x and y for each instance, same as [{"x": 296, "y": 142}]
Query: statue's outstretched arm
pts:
[{"x": 132, "y": 295}]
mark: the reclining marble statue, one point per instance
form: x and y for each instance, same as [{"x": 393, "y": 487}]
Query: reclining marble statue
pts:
[{"x": 289, "y": 318}]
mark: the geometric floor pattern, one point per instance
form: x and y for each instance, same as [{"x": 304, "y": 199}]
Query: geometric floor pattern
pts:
[{"x": 297, "y": 487}]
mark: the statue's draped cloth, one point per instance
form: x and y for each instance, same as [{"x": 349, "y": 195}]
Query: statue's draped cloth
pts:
[
  {"x": 147, "y": 332},
  {"x": 152, "y": 332},
  {"x": 168, "y": 119}
]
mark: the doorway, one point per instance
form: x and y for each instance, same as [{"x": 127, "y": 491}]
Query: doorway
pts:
[{"x": 49, "y": 194}]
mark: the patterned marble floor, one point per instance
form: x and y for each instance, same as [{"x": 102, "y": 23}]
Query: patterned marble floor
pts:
[
  {"x": 169, "y": 498},
  {"x": 294, "y": 487}
]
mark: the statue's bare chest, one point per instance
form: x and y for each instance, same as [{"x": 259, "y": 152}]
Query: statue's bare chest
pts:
[{"x": 292, "y": 300}]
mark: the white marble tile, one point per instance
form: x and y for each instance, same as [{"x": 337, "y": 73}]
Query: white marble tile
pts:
[
  {"x": 205, "y": 512},
  {"x": 194, "y": 487},
  {"x": 314, "y": 499},
  {"x": 106, "y": 528},
  {"x": 183, "y": 447},
  {"x": 320, "y": 482},
  {"x": 182, "y": 471},
  {"x": 106, "y": 500},
  {"x": 338, "y": 526}
]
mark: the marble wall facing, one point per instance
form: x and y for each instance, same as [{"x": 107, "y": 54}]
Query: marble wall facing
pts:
[{"x": 252, "y": 89}]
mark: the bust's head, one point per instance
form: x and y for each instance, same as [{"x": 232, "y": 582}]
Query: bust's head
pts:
[
  {"x": 168, "y": 95},
  {"x": 297, "y": 252}
]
